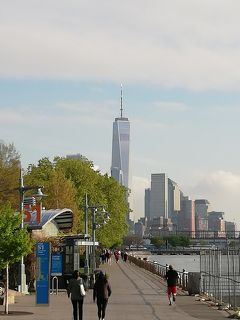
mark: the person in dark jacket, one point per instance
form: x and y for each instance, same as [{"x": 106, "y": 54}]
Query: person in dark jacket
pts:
[
  {"x": 101, "y": 292},
  {"x": 77, "y": 298},
  {"x": 172, "y": 279}
]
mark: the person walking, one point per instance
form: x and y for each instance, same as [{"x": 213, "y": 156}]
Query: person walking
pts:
[
  {"x": 117, "y": 254},
  {"x": 101, "y": 291},
  {"x": 125, "y": 256},
  {"x": 172, "y": 278},
  {"x": 76, "y": 290}
]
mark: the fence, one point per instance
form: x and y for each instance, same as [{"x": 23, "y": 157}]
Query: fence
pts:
[
  {"x": 220, "y": 276},
  {"x": 160, "y": 270}
]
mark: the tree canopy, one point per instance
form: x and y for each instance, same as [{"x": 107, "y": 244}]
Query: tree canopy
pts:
[
  {"x": 9, "y": 174},
  {"x": 174, "y": 241},
  {"x": 66, "y": 181},
  {"x": 14, "y": 241}
]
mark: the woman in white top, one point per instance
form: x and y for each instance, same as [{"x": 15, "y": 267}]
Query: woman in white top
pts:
[{"x": 74, "y": 291}]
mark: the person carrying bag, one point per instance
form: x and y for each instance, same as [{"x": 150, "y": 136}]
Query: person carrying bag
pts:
[
  {"x": 101, "y": 291},
  {"x": 82, "y": 289},
  {"x": 76, "y": 290}
]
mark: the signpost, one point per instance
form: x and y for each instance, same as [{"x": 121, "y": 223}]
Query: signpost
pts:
[
  {"x": 42, "y": 281},
  {"x": 56, "y": 264}
]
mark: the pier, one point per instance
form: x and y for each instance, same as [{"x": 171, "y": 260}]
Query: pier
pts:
[{"x": 137, "y": 294}]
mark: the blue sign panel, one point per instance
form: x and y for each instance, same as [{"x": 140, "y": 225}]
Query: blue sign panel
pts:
[
  {"x": 56, "y": 264},
  {"x": 42, "y": 281}
]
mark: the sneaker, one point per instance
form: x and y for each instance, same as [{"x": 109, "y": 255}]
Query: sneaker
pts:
[
  {"x": 170, "y": 303},
  {"x": 174, "y": 298}
]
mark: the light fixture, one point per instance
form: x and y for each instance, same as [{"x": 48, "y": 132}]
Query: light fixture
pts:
[{"x": 39, "y": 194}]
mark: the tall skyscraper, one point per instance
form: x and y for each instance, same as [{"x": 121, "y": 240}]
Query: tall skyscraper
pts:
[
  {"x": 159, "y": 196},
  {"x": 174, "y": 194},
  {"x": 186, "y": 217},
  {"x": 202, "y": 209},
  {"x": 147, "y": 203},
  {"x": 120, "y": 148}
]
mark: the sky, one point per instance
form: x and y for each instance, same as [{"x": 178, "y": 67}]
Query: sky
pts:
[{"x": 62, "y": 64}]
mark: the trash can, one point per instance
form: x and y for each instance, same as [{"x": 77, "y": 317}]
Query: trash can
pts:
[{"x": 193, "y": 285}]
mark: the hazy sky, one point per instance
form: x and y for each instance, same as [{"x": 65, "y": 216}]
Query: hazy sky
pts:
[{"x": 61, "y": 66}]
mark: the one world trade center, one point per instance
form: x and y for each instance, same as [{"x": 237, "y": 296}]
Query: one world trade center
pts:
[{"x": 120, "y": 148}]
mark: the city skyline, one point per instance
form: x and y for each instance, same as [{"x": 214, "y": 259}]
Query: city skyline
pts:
[
  {"x": 168, "y": 209},
  {"x": 61, "y": 67}
]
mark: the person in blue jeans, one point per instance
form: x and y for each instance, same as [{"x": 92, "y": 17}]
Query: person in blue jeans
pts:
[
  {"x": 101, "y": 291},
  {"x": 77, "y": 298}
]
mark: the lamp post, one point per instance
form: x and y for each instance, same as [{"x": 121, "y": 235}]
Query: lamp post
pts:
[
  {"x": 94, "y": 227},
  {"x": 22, "y": 281},
  {"x": 86, "y": 262},
  {"x": 105, "y": 217},
  {"x": 94, "y": 210}
]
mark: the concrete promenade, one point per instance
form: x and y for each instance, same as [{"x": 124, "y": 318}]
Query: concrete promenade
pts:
[{"x": 136, "y": 295}]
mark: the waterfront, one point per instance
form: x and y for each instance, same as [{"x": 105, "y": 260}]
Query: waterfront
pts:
[{"x": 190, "y": 263}]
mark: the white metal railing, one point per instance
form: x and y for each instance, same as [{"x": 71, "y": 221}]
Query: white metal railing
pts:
[{"x": 54, "y": 290}]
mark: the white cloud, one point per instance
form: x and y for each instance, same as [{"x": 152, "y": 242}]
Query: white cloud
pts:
[
  {"x": 170, "y": 106},
  {"x": 83, "y": 112},
  {"x": 139, "y": 184},
  {"x": 219, "y": 181},
  {"x": 175, "y": 43},
  {"x": 222, "y": 189},
  {"x": 102, "y": 109}
]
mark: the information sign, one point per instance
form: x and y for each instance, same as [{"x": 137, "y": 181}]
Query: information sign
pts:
[
  {"x": 42, "y": 281},
  {"x": 56, "y": 264}
]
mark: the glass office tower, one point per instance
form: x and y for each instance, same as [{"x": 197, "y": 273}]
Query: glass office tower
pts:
[{"x": 120, "y": 149}]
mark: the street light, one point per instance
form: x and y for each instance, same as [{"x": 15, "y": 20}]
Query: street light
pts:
[
  {"x": 86, "y": 262},
  {"x": 105, "y": 217},
  {"x": 22, "y": 189}
]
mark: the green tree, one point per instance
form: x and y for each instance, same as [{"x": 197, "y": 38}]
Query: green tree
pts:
[
  {"x": 113, "y": 195},
  {"x": 158, "y": 241},
  {"x": 60, "y": 191},
  {"x": 14, "y": 241},
  {"x": 66, "y": 181},
  {"x": 62, "y": 194},
  {"x": 184, "y": 241},
  {"x": 178, "y": 240},
  {"x": 132, "y": 240},
  {"x": 9, "y": 174},
  {"x": 9, "y": 156},
  {"x": 102, "y": 190}
]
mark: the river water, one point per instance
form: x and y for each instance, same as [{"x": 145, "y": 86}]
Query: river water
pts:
[{"x": 190, "y": 263}]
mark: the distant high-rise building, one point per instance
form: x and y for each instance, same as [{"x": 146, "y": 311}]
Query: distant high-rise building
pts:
[
  {"x": 147, "y": 203},
  {"x": 213, "y": 221},
  {"x": 216, "y": 223},
  {"x": 140, "y": 227},
  {"x": 186, "y": 217},
  {"x": 202, "y": 208},
  {"x": 159, "y": 196},
  {"x": 76, "y": 156},
  {"x": 120, "y": 148},
  {"x": 230, "y": 228},
  {"x": 174, "y": 194}
]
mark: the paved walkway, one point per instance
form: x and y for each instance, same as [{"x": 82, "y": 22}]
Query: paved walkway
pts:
[{"x": 136, "y": 295}]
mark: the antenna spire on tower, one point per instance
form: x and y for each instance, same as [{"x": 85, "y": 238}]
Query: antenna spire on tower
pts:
[{"x": 121, "y": 109}]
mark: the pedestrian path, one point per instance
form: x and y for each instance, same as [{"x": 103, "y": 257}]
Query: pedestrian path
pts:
[{"x": 136, "y": 295}]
